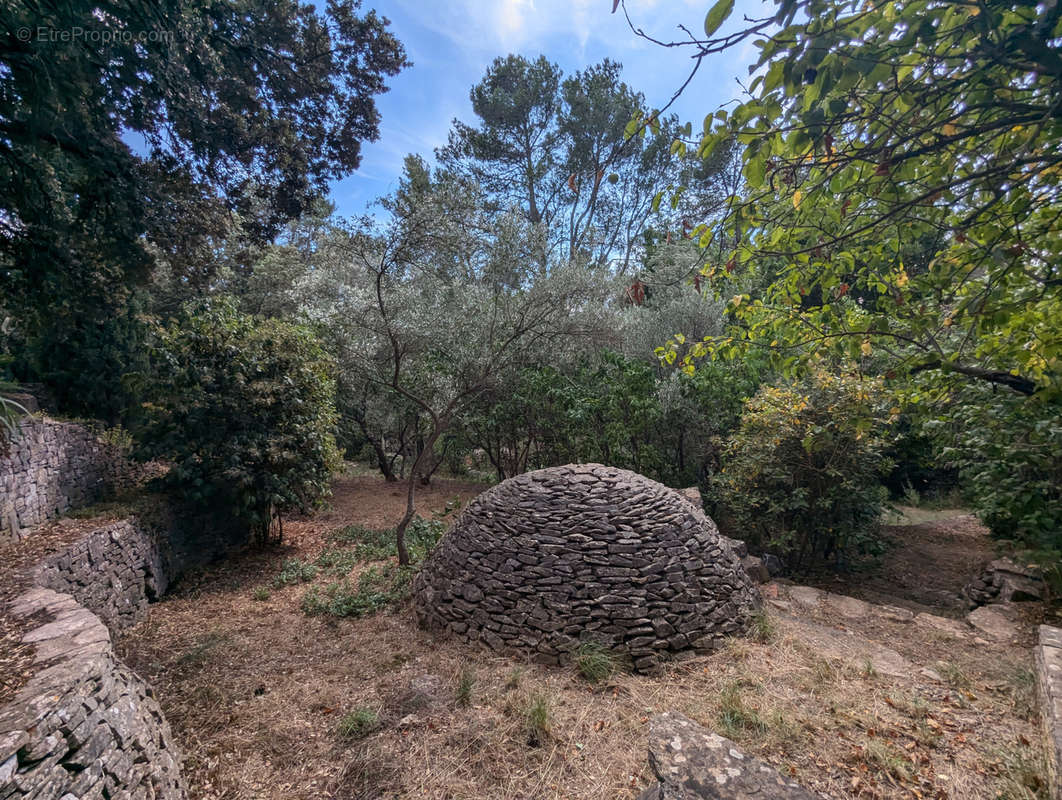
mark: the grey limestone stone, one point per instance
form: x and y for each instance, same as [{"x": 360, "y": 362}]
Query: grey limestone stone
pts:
[
  {"x": 692, "y": 763},
  {"x": 582, "y": 552}
]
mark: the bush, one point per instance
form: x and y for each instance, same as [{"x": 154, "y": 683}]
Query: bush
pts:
[
  {"x": 801, "y": 475},
  {"x": 1007, "y": 450},
  {"x": 244, "y": 409}
]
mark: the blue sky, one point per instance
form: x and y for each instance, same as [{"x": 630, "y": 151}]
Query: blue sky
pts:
[{"x": 452, "y": 42}]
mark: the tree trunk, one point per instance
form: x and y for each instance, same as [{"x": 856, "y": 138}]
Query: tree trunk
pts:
[
  {"x": 411, "y": 489},
  {"x": 382, "y": 462}
]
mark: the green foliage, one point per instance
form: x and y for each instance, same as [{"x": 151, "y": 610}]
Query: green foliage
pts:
[
  {"x": 376, "y": 545},
  {"x": 240, "y": 106},
  {"x": 244, "y": 410},
  {"x": 902, "y": 165},
  {"x": 11, "y": 413},
  {"x": 764, "y": 629},
  {"x": 294, "y": 571},
  {"x": 544, "y": 143},
  {"x": 466, "y": 682},
  {"x": 537, "y": 718},
  {"x": 375, "y": 589},
  {"x": 735, "y": 717},
  {"x": 595, "y": 662},
  {"x": 84, "y": 355},
  {"x": 358, "y": 723},
  {"x": 260, "y": 593},
  {"x": 801, "y": 475},
  {"x": 616, "y": 410},
  {"x": 1007, "y": 450}
]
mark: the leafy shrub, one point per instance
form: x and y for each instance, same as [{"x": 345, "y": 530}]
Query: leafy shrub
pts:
[
  {"x": 801, "y": 475},
  {"x": 614, "y": 410},
  {"x": 243, "y": 408},
  {"x": 1007, "y": 449}
]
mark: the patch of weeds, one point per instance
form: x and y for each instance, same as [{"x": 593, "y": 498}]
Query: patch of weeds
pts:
[
  {"x": 337, "y": 561},
  {"x": 537, "y": 719},
  {"x": 376, "y": 588},
  {"x": 294, "y": 571},
  {"x": 371, "y": 544},
  {"x": 260, "y": 593},
  {"x": 466, "y": 682},
  {"x": 595, "y": 662},
  {"x": 1022, "y": 683},
  {"x": 421, "y": 537},
  {"x": 868, "y": 669},
  {"x": 763, "y": 628},
  {"x": 954, "y": 675},
  {"x": 784, "y": 731},
  {"x": 513, "y": 681},
  {"x": 735, "y": 717},
  {"x": 200, "y": 651},
  {"x": 1020, "y": 777},
  {"x": 358, "y": 724},
  {"x": 880, "y": 755}
]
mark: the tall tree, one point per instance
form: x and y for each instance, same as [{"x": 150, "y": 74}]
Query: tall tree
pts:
[
  {"x": 238, "y": 106},
  {"x": 555, "y": 148},
  {"x": 432, "y": 305}
]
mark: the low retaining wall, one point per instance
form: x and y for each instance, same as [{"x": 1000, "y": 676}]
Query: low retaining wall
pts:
[
  {"x": 1049, "y": 678},
  {"x": 50, "y": 468},
  {"x": 84, "y": 726},
  {"x": 115, "y": 572}
]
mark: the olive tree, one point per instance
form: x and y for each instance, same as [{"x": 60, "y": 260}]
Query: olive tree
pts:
[{"x": 431, "y": 304}]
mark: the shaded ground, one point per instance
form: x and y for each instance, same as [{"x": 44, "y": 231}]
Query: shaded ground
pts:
[
  {"x": 927, "y": 563},
  {"x": 269, "y": 703}
]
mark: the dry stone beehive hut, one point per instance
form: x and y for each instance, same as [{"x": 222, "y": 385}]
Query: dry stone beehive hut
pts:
[{"x": 546, "y": 560}]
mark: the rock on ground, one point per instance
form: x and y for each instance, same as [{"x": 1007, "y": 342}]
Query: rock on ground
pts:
[{"x": 692, "y": 763}]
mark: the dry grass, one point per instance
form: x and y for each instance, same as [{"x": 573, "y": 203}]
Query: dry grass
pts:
[{"x": 257, "y": 693}]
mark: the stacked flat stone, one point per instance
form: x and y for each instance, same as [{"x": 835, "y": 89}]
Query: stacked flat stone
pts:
[
  {"x": 84, "y": 726},
  {"x": 584, "y": 552},
  {"x": 51, "y": 467},
  {"x": 115, "y": 571}
]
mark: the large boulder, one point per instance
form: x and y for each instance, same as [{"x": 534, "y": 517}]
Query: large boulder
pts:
[{"x": 552, "y": 558}]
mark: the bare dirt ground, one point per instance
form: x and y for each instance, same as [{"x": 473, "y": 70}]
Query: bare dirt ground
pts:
[
  {"x": 269, "y": 703},
  {"x": 927, "y": 562}
]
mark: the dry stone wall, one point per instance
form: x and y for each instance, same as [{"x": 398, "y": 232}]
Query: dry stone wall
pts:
[
  {"x": 84, "y": 726},
  {"x": 50, "y": 468},
  {"x": 551, "y": 558},
  {"x": 115, "y": 571}
]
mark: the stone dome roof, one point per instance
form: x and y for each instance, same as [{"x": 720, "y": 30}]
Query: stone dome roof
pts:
[{"x": 548, "y": 559}]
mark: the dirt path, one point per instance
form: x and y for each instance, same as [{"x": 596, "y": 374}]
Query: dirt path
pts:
[
  {"x": 269, "y": 703},
  {"x": 925, "y": 566}
]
